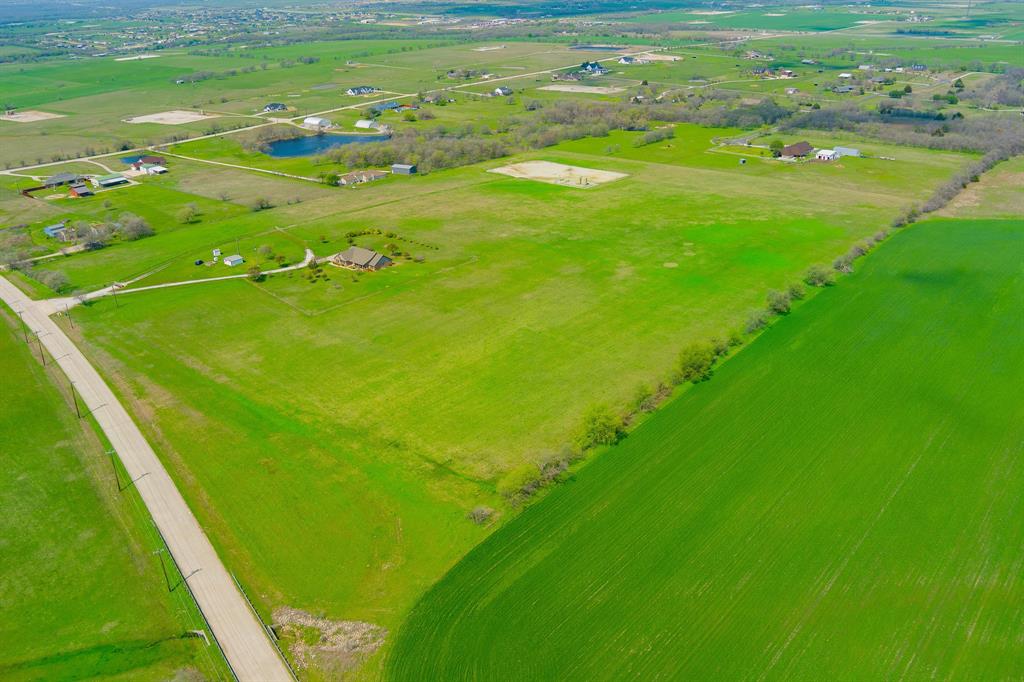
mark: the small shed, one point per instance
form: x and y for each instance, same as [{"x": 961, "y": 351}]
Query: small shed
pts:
[
  {"x": 156, "y": 170},
  {"x": 367, "y": 124},
  {"x": 80, "y": 190},
  {"x": 403, "y": 168},
  {"x": 232, "y": 261},
  {"x": 826, "y": 155},
  {"x": 109, "y": 180},
  {"x": 55, "y": 231},
  {"x": 502, "y": 91}
]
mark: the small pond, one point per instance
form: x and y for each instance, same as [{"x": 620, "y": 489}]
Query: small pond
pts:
[{"x": 315, "y": 144}]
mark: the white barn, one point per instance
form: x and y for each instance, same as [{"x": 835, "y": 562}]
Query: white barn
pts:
[
  {"x": 826, "y": 155},
  {"x": 316, "y": 122}
]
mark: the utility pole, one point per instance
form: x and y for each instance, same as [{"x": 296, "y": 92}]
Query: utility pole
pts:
[
  {"x": 67, "y": 311},
  {"x": 42, "y": 358},
  {"x": 113, "y": 290},
  {"x": 75, "y": 398},
  {"x": 24, "y": 327},
  {"x": 113, "y": 465}
]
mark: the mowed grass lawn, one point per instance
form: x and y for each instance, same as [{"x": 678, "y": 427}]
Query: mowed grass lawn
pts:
[
  {"x": 80, "y": 593},
  {"x": 841, "y": 501},
  {"x": 352, "y": 425}
]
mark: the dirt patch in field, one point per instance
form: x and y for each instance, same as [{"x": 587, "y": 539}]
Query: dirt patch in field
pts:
[
  {"x": 658, "y": 56},
  {"x": 331, "y": 646},
  {"x": 558, "y": 174},
  {"x": 592, "y": 89},
  {"x": 29, "y": 116},
  {"x": 171, "y": 118}
]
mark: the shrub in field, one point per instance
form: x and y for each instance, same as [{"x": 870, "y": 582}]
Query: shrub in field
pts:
[
  {"x": 480, "y": 515},
  {"x": 796, "y": 291},
  {"x": 132, "y": 227},
  {"x": 519, "y": 482},
  {"x": 254, "y": 273},
  {"x": 778, "y": 302},
  {"x": 756, "y": 320},
  {"x": 50, "y": 278},
  {"x": 260, "y": 204},
  {"x": 695, "y": 362},
  {"x": 600, "y": 427},
  {"x": 186, "y": 214},
  {"x": 720, "y": 345},
  {"x": 643, "y": 399},
  {"x": 819, "y": 276},
  {"x": 843, "y": 263}
]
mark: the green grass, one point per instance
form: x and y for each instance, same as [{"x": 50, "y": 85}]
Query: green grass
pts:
[
  {"x": 841, "y": 501},
  {"x": 357, "y": 419},
  {"x": 81, "y": 594}
]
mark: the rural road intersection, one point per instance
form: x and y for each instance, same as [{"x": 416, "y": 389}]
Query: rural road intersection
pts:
[{"x": 240, "y": 634}]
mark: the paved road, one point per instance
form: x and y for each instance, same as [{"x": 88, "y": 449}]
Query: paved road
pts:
[
  {"x": 51, "y": 306},
  {"x": 245, "y": 643}
]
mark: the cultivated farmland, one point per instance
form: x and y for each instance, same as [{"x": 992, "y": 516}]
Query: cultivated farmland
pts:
[{"x": 844, "y": 495}]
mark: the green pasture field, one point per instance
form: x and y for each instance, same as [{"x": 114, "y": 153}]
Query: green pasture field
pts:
[
  {"x": 96, "y": 95},
  {"x": 841, "y": 500},
  {"x": 81, "y": 594},
  {"x": 937, "y": 53},
  {"x": 769, "y": 18},
  {"x": 350, "y": 421}
]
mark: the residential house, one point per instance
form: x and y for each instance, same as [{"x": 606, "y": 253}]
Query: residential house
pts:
[
  {"x": 403, "y": 168},
  {"x": 386, "y": 106},
  {"x": 842, "y": 89},
  {"x": 407, "y": 107},
  {"x": 61, "y": 179},
  {"x": 593, "y": 68},
  {"x": 845, "y": 75},
  {"x": 363, "y": 259},
  {"x": 80, "y": 190},
  {"x": 360, "y": 176},
  {"x": 154, "y": 169},
  {"x": 275, "y": 106},
  {"x": 361, "y": 90},
  {"x": 792, "y": 91},
  {"x": 502, "y": 91},
  {"x": 797, "y": 150}
]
